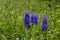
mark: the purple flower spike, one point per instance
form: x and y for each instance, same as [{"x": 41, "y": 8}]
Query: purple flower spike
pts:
[
  {"x": 27, "y": 19},
  {"x": 44, "y": 24},
  {"x": 34, "y": 19}
]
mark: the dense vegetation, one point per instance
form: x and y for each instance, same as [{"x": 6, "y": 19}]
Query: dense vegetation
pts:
[{"x": 12, "y": 23}]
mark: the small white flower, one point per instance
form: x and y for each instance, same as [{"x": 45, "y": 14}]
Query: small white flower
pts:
[{"x": 17, "y": 38}]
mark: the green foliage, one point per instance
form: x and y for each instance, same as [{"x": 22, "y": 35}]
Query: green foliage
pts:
[{"x": 12, "y": 25}]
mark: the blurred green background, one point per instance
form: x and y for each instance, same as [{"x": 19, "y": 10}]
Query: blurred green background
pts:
[{"x": 12, "y": 25}]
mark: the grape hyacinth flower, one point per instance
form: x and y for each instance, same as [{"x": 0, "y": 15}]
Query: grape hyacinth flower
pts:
[
  {"x": 27, "y": 19},
  {"x": 44, "y": 23},
  {"x": 34, "y": 19}
]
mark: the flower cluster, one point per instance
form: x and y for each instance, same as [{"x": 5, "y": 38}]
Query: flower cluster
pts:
[
  {"x": 34, "y": 19},
  {"x": 44, "y": 23},
  {"x": 27, "y": 19}
]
